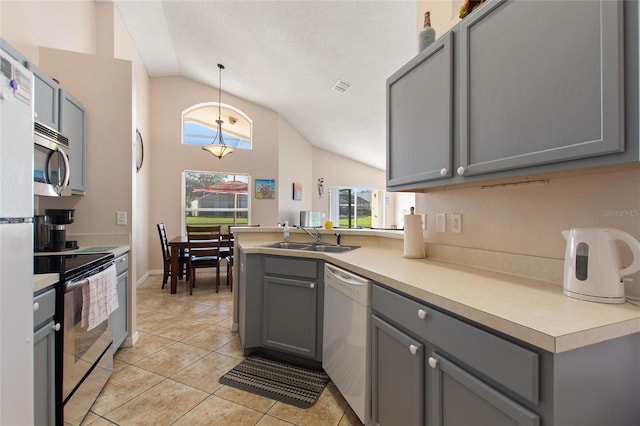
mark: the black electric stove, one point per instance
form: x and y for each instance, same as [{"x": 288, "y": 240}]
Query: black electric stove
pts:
[{"x": 69, "y": 266}]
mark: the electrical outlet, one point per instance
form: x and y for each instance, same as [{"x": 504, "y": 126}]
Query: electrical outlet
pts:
[
  {"x": 440, "y": 222},
  {"x": 121, "y": 218},
  {"x": 456, "y": 223}
]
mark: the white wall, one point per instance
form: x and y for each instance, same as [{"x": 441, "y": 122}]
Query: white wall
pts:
[
  {"x": 294, "y": 165},
  {"x": 340, "y": 171},
  {"x": 169, "y": 97}
]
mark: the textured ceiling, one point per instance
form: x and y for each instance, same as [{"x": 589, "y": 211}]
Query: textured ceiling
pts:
[{"x": 287, "y": 56}]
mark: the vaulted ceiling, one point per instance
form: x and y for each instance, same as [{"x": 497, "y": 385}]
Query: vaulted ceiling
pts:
[{"x": 287, "y": 56}]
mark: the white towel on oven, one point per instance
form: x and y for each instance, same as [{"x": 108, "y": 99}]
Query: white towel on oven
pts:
[{"x": 99, "y": 298}]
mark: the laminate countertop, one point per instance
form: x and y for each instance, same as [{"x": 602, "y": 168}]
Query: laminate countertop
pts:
[{"x": 533, "y": 311}]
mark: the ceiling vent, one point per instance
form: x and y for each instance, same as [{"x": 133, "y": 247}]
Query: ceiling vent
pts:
[{"x": 341, "y": 86}]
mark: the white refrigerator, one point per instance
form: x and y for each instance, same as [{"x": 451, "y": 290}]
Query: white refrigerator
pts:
[{"x": 16, "y": 243}]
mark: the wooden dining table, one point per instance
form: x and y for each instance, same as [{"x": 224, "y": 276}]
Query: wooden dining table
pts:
[{"x": 176, "y": 245}]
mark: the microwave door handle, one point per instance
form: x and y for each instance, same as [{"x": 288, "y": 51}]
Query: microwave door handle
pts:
[{"x": 67, "y": 172}]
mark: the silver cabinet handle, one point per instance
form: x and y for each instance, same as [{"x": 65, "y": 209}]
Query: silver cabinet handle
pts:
[
  {"x": 56, "y": 327},
  {"x": 461, "y": 171},
  {"x": 312, "y": 285},
  {"x": 444, "y": 171},
  {"x": 36, "y": 306},
  {"x": 413, "y": 349},
  {"x": 433, "y": 363},
  {"x": 422, "y": 314}
]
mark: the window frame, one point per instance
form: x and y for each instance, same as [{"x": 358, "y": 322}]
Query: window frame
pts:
[
  {"x": 214, "y": 104},
  {"x": 183, "y": 198}
]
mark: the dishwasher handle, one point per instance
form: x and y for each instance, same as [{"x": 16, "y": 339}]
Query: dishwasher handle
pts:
[{"x": 345, "y": 276}]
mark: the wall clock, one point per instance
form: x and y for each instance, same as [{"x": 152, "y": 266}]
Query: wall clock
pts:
[{"x": 139, "y": 150}]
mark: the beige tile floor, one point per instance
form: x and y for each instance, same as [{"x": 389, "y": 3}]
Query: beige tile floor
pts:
[{"x": 170, "y": 377}]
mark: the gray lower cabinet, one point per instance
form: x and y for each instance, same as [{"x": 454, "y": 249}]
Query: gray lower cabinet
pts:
[
  {"x": 531, "y": 89},
  {"x": 293, "y": 306},
  {"x": 398, "y": 382},
  {"x": 73, "y": 125},
  {"x": 431, "y": 368},
  {"x": 280, "y": 304},
  {"x": 120, "y": 318},
  {"x": 44, "y": 357},
  {"x": 290, "y": 315},
  {"x": 459, "y": 398}
]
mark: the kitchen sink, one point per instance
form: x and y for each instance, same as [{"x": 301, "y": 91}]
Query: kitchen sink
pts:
[
  {"x": 288, "y": 246},
  {"x": 328, "y": 248}
]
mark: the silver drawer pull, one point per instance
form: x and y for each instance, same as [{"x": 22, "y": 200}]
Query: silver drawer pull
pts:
[
  {"x": 36, "y": 306},
  {"x": 56, "y": 327},
  {"x": 433, "y": 363},
  {"x": 413, "y": 349},
  {"x": 312, "y": 285},
  {"x": 422, "y": 314}
]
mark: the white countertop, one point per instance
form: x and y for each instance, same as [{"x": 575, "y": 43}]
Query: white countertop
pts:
[{"x": 530, "y": 310}]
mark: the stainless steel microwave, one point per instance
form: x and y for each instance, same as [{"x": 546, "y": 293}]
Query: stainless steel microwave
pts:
[{"x": 51, "y": 168}]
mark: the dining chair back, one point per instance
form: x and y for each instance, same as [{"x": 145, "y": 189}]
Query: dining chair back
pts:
[
  {"x": 166, "y": 255},
  {"x": 227, "y": 243},
  {"x": 204, "y": 251}
]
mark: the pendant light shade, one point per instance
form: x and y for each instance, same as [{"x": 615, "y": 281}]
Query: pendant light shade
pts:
[{"x": 218, "y": 148}]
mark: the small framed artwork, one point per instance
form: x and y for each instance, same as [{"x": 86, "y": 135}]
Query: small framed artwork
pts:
[
  {"x": 266, "y": 189},
  {"x": 297, "y": 191}
]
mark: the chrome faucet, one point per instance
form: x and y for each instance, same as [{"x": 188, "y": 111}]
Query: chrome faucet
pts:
[{"x": 316, "y": 237}]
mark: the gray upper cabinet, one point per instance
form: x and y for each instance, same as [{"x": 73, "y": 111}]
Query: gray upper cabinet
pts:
[
  {"x": 517, "y": 88},
  {"x": 539, "y": 83},
  {"x": 419, "y": 117},
  {"x": 73, "y": 125},
  {"x": 46, "y": 98}
]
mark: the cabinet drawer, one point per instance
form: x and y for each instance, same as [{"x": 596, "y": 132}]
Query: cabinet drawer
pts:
[
  {"x": 122, "y": 263},
  {"x": 291, "y": 267},
  {"x": 46, "y": 307},
  {"x": 507, "y": 363}
]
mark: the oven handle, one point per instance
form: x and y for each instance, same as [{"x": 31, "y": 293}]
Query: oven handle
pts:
[{"x": 75, "y": 285}]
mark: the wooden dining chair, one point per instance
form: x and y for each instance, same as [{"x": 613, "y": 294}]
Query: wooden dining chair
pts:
[
  {"x": 204, "y": 251},
  {"x": 226, "y": 251},
  {"x": 166, "y": 256}
]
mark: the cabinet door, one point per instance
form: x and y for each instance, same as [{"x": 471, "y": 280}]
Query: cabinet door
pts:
[
  {"x": 44, "y": 374},
  {"x": 458, "y": 398},
  {"x": 540, "y": 83},
  {"x": 419, "y": 117},
  {"x": 72, "y": 125},
  {"x": 120, "y": 330},
  {"x": 290, "y": 312},
  {"x": 397, "y": 381},
  {"x": 45, "y": 98}
]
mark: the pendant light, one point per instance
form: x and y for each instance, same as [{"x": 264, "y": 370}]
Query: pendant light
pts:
[{"x": 218, "y": 148}]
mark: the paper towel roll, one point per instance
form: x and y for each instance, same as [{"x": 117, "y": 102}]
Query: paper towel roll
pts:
[{"x": 413, "y": 239}]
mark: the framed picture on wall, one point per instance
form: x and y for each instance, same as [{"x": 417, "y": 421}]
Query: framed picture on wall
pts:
[
  {"x": 266, "y": 189},
  {"x": 297, "y": 191}
]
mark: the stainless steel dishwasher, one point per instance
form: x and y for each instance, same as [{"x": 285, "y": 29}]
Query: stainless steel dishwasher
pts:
[{"x": 345, "y": 349}]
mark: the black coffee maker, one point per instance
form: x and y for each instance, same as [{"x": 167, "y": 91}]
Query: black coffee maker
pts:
[{"x": 50, "y": 230}]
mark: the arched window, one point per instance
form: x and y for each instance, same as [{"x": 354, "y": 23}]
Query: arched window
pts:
[{"x": 199, "y": 125}]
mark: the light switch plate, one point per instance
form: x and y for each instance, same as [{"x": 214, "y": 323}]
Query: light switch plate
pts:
[
  {"x": 121, "y": 218},
  {"x": 440, "y": 222}
]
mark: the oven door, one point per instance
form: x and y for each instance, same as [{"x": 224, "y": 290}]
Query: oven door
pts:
[{"x": 87, "y": 357}]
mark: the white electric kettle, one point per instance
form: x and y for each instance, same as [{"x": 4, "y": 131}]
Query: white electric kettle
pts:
[{"x": 592, "y": 266}]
